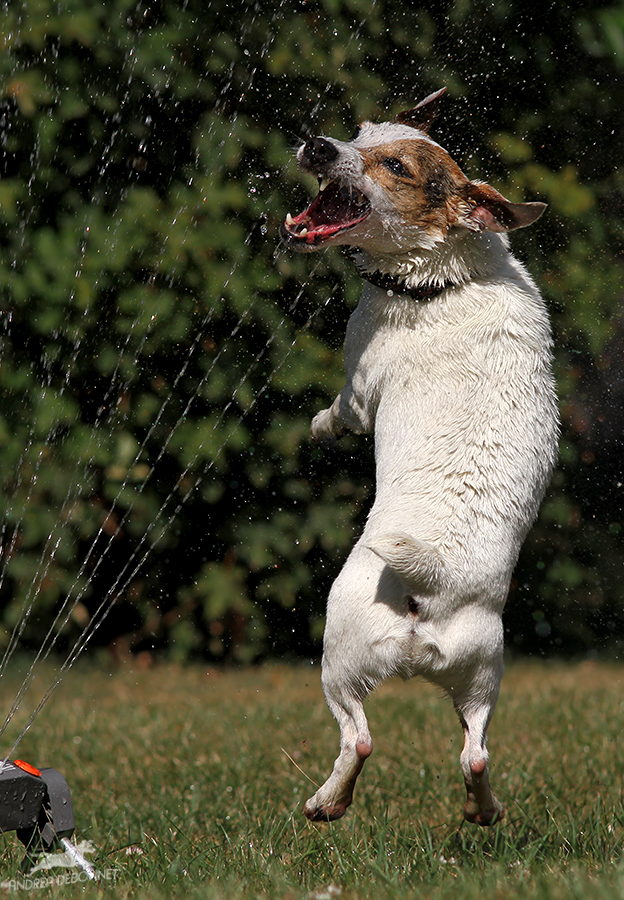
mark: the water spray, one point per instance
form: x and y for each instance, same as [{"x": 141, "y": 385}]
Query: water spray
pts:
[{"x": 34, "y": 803}]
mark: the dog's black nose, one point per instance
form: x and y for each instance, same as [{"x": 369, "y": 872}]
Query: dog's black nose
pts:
[{"x": 318, "y": 152}]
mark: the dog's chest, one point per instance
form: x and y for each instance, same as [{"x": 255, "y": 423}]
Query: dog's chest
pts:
[{"x": 394, "y": 340}]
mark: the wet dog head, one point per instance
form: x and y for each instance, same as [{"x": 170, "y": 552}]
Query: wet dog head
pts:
[{"x": 391, "y": 188}]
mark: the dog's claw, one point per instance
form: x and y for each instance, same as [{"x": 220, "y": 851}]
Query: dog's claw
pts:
[{"x": 320, "y": 813}]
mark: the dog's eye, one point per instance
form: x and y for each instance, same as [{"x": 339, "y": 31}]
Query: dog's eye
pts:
[{"x": 395, "y": 166}]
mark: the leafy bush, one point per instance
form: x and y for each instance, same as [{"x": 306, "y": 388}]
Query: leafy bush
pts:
[{"x": 161, "y": 362}]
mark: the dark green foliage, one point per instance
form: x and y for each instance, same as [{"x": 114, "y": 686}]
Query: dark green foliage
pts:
[{"x": 160, "y": 364}]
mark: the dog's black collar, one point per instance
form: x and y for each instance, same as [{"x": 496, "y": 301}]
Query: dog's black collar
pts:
[
  {"x": 398, "y": 285},
  {"x": 422, "y": 292}
]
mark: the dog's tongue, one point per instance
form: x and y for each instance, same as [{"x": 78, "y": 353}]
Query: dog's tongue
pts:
[{"x": 333, "y": 210}]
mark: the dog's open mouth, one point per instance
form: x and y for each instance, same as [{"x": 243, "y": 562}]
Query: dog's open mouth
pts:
[{"x": 336, "y": 208}]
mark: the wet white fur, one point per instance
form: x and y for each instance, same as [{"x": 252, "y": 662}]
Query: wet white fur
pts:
[{"x": 459, "y": 395}]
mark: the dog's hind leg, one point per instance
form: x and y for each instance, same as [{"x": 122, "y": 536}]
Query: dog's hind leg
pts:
[
  {"x": 482, "y": 807},
  {"x": 355, "y": 660},
  {"x": 334, "y": 797}
]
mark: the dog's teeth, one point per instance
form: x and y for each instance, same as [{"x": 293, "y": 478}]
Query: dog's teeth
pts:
[
  {"x": 323, "y": 182},
  {"x": 289, "y": 219},
  {"x": 302, "y": 233}
]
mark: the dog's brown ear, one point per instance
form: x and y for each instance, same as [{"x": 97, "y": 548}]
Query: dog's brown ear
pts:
[
  {"x": 490, "y": 211},
  {"x": 423, "y": 115}
]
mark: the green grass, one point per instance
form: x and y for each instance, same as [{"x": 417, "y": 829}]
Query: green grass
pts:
[{"x": 190, "y": 784}]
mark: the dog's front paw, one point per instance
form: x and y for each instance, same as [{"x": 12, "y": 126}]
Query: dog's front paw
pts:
[{"x": 323, "y": 426}]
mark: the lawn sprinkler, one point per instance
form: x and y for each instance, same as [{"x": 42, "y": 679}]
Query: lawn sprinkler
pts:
[{"x": 36, "y": 803}]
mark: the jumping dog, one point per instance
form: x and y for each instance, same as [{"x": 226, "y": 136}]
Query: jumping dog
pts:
[{"x": 448, "y": 364}]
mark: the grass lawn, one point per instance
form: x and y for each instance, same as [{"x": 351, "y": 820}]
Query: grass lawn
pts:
[{"x": 189, "y": 783}]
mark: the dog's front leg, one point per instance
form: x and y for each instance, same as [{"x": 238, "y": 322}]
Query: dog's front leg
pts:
[{"x": 345, "y": 414}]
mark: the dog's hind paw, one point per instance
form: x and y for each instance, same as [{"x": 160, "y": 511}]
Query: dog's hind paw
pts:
[
  {"x": 477, "y": 816},
  {"x": 317, "y": 812}
]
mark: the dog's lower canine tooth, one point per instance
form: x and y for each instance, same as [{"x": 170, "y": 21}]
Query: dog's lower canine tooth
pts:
[
  {"x": 302, "y": 233},
  {"x": 289, "y": 219}
]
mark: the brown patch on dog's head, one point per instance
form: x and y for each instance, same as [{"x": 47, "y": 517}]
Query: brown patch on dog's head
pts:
[
  {"x": 421, "y": 180},
  {"x": 430, "y": 191}
]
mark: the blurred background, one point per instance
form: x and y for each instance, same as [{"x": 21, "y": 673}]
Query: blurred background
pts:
[{"x": 161, "y": 357}]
